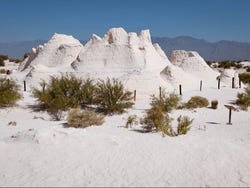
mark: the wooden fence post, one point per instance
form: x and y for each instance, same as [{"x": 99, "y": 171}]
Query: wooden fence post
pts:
[
  {"x": 160, "y": 92},
  {"x": 134, "y": 95},
  {"x": 180, "y": 89},
  {"x": 201, "y": 85},
  {"x": 219, "y": 83},
  {"x": 24, "y": 85},
  {"x": 233, "y": 82}
]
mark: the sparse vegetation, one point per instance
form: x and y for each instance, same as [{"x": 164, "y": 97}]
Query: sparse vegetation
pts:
[
  {"x": 111, "y": 97},
  {"x": 214, "y": 104},
  {"x": 2, "y": 59},
  {"x": 84, "y": 118},
  {"x": 132, "y": 120},
  {"x": 59, "y": 94},
  {"x": 245, "y": 78},
  {"x": 168, "y": 102},
  {"x": 9, "y": 92},
  {"x": 243, "y": 99},
  {"x": 183, "y": 125},
  {"x": 197, "y": 102},
  {"x": 2, "y": 71}
]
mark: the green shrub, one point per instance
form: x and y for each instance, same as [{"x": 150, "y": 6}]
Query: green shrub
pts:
[
  {"x": 197, "y": 102},
  {"x": 87, "y": 92},
  {"x": 214, "y": 104},
  {"x": 183, "y": 125},
  {"x": 59, "y": 94},
  {"x": 83, "y": 118},
  {"x": 248, "y": 69},
  {"x": 243, "y": 99},
  {"x": 131, "y": 121},
  {"x": 157, "y": 120},
  {"x": 2, "y": 71},
  {"x": 111, "y": 97},
  {"x": 2, "y": 59},
  {"x": 168, "y": 102},
  {"x": 9, "y": 92},
  {"x": 245, "y": 78}
]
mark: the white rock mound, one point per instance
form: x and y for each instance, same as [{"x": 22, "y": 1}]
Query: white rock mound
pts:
[
  {"x": 192, "y": 63},
  {"x": 126, "y": 56},
  {"x": 60, "y": 50}
]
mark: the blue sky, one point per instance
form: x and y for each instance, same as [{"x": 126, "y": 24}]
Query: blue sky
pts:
[{"x": 212, "y": 20}]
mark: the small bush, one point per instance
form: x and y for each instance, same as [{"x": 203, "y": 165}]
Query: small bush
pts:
[
  {"x": 9, "y": 92},
  {"x": 183, "y": 125},
  {"x": 131, "y": 121},
  {"x": 245, "y": 78},
  {"x": 248, "y": 69},
  {"x": 59, "y": 94},
  {"x": 243, "y": 99},
  {"x": 111, "y": 96},
  {"x": 2, "y": 71},
  {"x": 2, "y": 59},
  {"x": 157, "y": 120},
  {"x": 168, "y": 102},
  {"x": 83, "y": 118},
  {"x": 87, "y": 92},
  {"x": 197, "y": 102},
  {"x": 214, "y": 104}
]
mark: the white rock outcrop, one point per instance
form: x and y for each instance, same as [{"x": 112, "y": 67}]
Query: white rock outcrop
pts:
[{"x": 192, "y": 63}]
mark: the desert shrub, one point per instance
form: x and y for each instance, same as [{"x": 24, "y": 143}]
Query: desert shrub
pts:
[
  {"x": 9, "y": 92},
  {"x": 111, "y": 96},
  {"x": 87, "y": 92},
  {"x": 59, "y": 94},
  {"x": 83, "y": 118},
  {"x": 2, "y": 59},
  {"x": 243, "y": 99},
  {"x": 248, "y": 69},
  {"x": 2, "y": 71},
  {"x": 168, "y": 102},
  {"x": 214, "y": 104},
  {"x": 225, "y": 64},
  {"x": 197, "y": 102},
  {"x": 26, "y": 55},
  {"x": 245, "y": 78},
  {"x": 15, "y": 60},
  {"x": 156, "y": 120},
  {"x": 183, "y": 125},
  {"x": 132, "y": 120}
]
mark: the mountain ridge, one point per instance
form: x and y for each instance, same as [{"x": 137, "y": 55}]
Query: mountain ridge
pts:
[{"x": 212, "y": 51}]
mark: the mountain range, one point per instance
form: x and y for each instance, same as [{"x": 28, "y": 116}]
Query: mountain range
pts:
[{"x": 212, "y": 51}]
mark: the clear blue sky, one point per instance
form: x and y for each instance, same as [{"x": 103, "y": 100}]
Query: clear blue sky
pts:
[{"x": 212, "y": 20}]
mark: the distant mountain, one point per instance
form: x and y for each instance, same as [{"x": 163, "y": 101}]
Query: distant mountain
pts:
[
  {"x": 18, "y": 49},
  {"x": 217, "y": 51}
]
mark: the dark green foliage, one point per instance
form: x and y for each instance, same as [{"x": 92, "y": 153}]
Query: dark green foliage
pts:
[
  {"x": 87, "y": 92},
  {"x": 168, "y": 102},
  {"x": 9, "y": 92},
  {"x": 2, "y": 71},
  {"x": 248, "y": 69},
  {"x": 228, "y": 64},
  {"x": 197, "y": 102},
  {"x": 183, "y": 125},
  {"x": 83, "y": 118},
  {"x": 59, "y": 94},
  {"x": 2, "y": 59},
  {"x": 214, "y": 104},
  {"x": 245, "y": 78},
  {"x": 16, "y": 60},
  {"x": 111, "y": 96},
  {"x": 243, "y": 99},
  {"x": 26, "y": 55}
]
